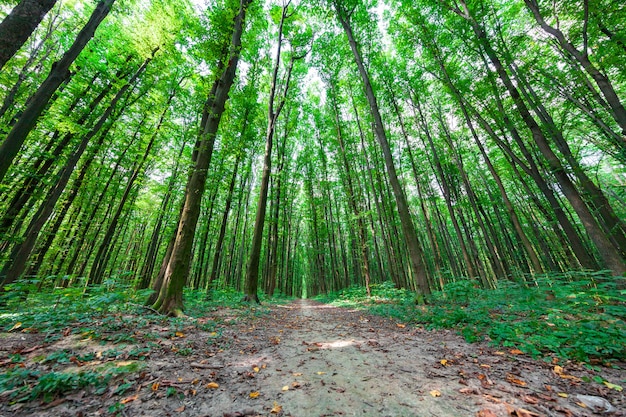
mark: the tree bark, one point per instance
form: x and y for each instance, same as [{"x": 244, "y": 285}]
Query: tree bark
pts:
[
  {"x": 17, "y": 27},
  {"x": 170, "y": 299},
  {"x": 252, "y": 273},
  {"x": 413, "y": 246},
  {"x": 58, "y": 74}
]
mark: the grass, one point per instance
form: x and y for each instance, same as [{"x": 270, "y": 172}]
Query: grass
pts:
[{"x": 576, "y": 316}]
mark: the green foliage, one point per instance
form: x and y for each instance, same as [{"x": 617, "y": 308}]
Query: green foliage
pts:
[
  {"x": 575, "y": 315},
  {"x": 27, "y": 384}
]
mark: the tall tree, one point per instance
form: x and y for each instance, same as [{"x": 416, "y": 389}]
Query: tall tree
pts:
[
  {"x": 17, "y": 27},
  {"x": 59, "y": 73},
  {"x": 170, "y": 299},
  {"x": 276, "y": 102},
  {"x": 410, "y": 236}
]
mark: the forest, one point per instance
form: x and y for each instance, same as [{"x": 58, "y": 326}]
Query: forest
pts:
[
  {"x": 441, "y": 162},
  {"x": 300, "y": 148}
]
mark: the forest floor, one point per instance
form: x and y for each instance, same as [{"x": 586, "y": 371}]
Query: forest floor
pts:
[{"x": 300, "y": 359}]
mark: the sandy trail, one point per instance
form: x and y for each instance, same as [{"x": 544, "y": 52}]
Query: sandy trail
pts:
[{"x": 310, "y": 359}]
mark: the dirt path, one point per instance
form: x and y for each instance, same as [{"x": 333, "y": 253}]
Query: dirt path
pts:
[{"x": 310, "y": 359}]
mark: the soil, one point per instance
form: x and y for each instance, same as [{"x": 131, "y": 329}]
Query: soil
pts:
[{"x": 311, "y": 359}]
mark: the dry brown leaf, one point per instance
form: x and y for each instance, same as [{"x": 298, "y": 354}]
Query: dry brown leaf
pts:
[
  {"x": 400, "y": 325},
  {"x": 560, "y": 372},
  {"x": 516, "y": 352},
  {"x": 180, "y": 409},
  {"x": 296, "y": 384},
  {"x": 520, "y": 412},
  {"x": 276, "y": 409},
  {"x": 530, "y": 399},
  {"x": 254, "y": 394},
  {"x": 129, "y": 399},
  {"x": 155, "y": 386},
  {"x": 513, "y": 380},
  {"x": 486, "y": 413},
  {"x": 297, "y": 374},
  {"x": 180, "y": 334},
  {"x": 213, "y": 385},
  {"x": 469, "y": 390},
  {"x": 444, "y": 362},
  {"x": 435, "y": 393}
]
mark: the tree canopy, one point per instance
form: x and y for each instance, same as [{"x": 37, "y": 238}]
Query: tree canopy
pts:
[{"x": 301, "y": 147}]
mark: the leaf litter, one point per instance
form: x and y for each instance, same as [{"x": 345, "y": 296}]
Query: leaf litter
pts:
[{"x": 302, "y": 359}]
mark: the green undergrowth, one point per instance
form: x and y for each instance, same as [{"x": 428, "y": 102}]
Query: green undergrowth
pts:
[
  {"x": 577, "y": 316},
  {"x": 59, "y": 337}
]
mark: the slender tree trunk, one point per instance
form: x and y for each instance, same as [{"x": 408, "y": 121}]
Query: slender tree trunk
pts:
[
  {"x": 170, "y": 300},
  {"x": 413, "y": 246},
  {"x": 353, "y": 200},
  {"x": 602, "y": 81},
  {"x": 21, "y": 253},
  {"x": 58, "y": 74},
  {"x": 252, "y": 273},
  {"x": 100, "y": 261},
  {"x": 611, "y": 257},
  {"x": 17, "y": 27}
]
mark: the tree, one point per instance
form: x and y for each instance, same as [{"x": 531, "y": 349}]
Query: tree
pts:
[
  {"x": 408, "y": 229},
  {"x": 170, "y": 299},
  {"x": 20, "y": 24}
]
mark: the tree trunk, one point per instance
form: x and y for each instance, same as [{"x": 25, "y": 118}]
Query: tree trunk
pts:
[
  {"x": 17, "y": 27},
  {"x": 611, "y": 257},
  {"x": 58, "y": 74},
  {"x": 252, "y": 273},
  {"x": 604, "y": 84},
  {"x": 413, "y": 246},
  {"x": 21, "y": 253},
  {"x": 170, "y": 300}
]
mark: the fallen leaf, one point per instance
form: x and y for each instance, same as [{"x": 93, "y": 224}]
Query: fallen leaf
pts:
[
  {"x": 562, "y": 394},
  {"x": 180, "y": 334},
  {"x": 129, "y": 399},
  {"x": 516, "y": 352},
  {"x": 320, "y": 373},
  {"x": 180, "y": 409},
  {"x": 612, "y": 386},
  {"x": 256, "y": 369},
  {"x": 296, "y": 384},
  {"x": 254, "y": 394},
  {"x": 486, "y": 413},
  {"x": 560, "y": 372},
  {"x": 435, "y": 393},
  {"x": 530, "y": 399},
  {"x": 276, "y": 409},
  {"x": 484, "y": 365},
  {"x": 402, "y": 326},
  {"x": 297, "y": 374},
  {"x": 520, "y": 412},
  {"x": 155, "y": 386},
  {"x": 213, "y": 385},
  {"x": 513, "y": 380},
  {"x": 15, "y": 326},
  {"x": 469, "y": 390},
  {"x": 286, "y": 388},
  {"x": 444, "y": 362},
  {"x": 499, "y": 353}
]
